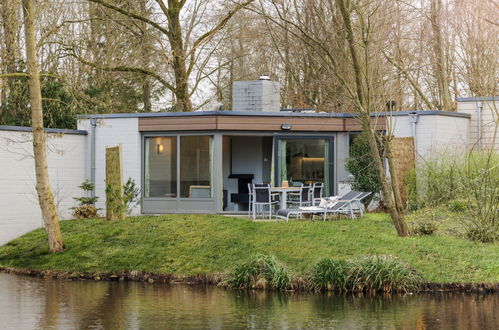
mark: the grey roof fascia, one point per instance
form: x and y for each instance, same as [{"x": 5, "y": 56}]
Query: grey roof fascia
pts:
[
  {"x": 264, "y": 114},
  {"x": 477, "y": 99},
  {"x": 424, "y": 113},
  {"x": 48, "y": 130}
]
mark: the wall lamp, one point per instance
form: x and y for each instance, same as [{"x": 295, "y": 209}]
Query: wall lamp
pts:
[
  {"x": 286, "y": 127},
  {"x": 159, "y": 148}
]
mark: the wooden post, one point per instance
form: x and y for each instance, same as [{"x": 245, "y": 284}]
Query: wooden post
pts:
[
  {"x": 404, "y": 160},
  {"x": 115, "y": 206}
]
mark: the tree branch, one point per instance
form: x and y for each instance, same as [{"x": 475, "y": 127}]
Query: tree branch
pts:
[
  {"x": 209, "y": 35},
  {"x": 127, "y": 69},
  {"x": 132, "y": 15}
]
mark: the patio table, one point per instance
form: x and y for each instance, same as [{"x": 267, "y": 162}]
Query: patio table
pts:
[{"x": 284, "y": 194}]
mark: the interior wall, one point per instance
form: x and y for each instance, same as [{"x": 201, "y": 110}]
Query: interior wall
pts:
[{"x": 249, "y": 155}]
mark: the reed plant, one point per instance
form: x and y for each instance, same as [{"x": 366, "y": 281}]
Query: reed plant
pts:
[
  {"x": 383, "y": 274},
  {"x": 260, "y": 272},
  {"x": 330, "y": 275}
]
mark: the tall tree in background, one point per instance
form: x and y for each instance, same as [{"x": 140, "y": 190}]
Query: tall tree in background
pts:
[
  {"x": 10, "y": 55},
  {"x": 439, "y": 49},
  {"x": 45, "y": 197},
  {"x": 183, "y": 51},
  {"x": 353, "y": 54}
]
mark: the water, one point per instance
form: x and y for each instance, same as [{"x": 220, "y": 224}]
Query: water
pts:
[{"x": 30, "y": 303}]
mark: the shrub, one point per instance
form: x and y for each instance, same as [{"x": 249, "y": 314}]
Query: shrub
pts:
[
  {"x": 260, "y": 272},
  {"x": 465, "y": 182},
  {"x": 383, "y": 274},
  {"x": 481, "y": 233},
  {"x": 360, "y": 165},
  {"x": 424, "y": 227},
  {"x": 86, "y": 204},
  {"x": 131, "y": 195},
  {"x": 84, "y": 211},
  {"x": 457, "y": 206},
  {"x": 330, "y": 274}
]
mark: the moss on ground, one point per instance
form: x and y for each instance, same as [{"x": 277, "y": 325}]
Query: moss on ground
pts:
[{"x": 211, "y": 244}]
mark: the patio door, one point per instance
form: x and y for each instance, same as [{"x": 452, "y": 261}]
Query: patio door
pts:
[{"x": 305, "y": 160}]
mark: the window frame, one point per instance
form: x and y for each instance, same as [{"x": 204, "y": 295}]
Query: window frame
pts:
[
  {"x": 330, "y": 140},
  {"x": 178, "y": 136}
]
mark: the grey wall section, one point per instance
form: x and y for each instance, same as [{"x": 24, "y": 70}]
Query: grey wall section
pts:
[
  {"x": 19, "y": 208},
  {"x": 108, "y": 133},
  {"x": 256, "y": 95}
]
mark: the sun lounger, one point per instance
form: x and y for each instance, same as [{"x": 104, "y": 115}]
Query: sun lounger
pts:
[{"x": 346, "y": 204}]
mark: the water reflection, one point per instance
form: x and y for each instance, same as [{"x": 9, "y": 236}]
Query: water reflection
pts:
[{"x": 30, "y": 303}]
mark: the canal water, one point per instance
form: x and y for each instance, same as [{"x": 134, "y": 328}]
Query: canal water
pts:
[{"x": 31, "y": 303}]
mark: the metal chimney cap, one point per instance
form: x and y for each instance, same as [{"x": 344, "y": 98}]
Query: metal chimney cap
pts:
[{"x": 264, "y": 77}]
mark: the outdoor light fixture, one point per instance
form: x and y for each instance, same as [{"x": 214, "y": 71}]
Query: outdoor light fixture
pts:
[
  {"x": 159, "y": 148},
  {"x": 286, "y": 127}
]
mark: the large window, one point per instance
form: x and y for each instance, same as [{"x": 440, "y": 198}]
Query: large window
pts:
[
  {"x": 160, "y": 167},
  {"x": 195, "y": 166},
  {"x": 162, "y": 158},
  {"x": 304, "y": 161}
]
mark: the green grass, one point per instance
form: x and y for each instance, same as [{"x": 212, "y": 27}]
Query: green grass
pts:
[{"x": 211, "y": 244}]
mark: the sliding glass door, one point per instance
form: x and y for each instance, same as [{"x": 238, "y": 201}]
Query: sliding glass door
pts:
[
  {"x": 178, "y": 166},
  {"x": 305, "y": 160},
  {"x": 160, "y": 167},
  {"x": 195, "y": 166}
]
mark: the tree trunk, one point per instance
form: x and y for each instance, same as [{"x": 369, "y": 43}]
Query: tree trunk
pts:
[
  {"x": 145, "y": 54},
  {"x": 45, "y": 197},
  {"x": 364, "y": 102},
  {"x": 389, "y": 194},
  {"x": 440, "y": 62},
  {"x": 9, "y": 15},
  {"x": 183, "y": 100}
]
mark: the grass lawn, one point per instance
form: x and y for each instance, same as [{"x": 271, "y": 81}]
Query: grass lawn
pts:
[{"x": 210, "y": 244}]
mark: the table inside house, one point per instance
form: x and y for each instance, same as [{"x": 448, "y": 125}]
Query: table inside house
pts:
[{"x": 284, "y": 194}]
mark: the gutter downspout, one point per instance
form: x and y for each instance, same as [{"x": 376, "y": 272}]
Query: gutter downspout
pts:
[
  {"x": 414, "y": 118},
  {"x": 93, "y": 124},
  {"x": 479, "y": 124}
]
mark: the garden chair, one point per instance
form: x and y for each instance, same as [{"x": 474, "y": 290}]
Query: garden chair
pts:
[
  {"x": 302, "y": 198},
  {"x": 263, "y": 199},
  {"x": 317, "y": 190}
]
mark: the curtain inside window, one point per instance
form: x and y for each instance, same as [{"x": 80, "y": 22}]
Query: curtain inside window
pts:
[
  {"x": 272, "y": 165},
  {"x": 212, "y": 178},
  {"x": 147, "y": 175},
  {"x": 326, "y": 168},
  {"x": 283, "y": 173}
]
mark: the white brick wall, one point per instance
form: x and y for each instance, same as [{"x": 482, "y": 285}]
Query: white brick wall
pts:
[
  {"x": 109, "y": 133},
  {"x": 488, "y": 118},
  {"x": 19, "y": 209},
  {"x": 434, "y": 133}
]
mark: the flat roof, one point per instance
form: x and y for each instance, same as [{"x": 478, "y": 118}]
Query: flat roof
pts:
[
  {"x": 477, "y": 99},
  {"x": 48, "y": 130},
  {"x": 264, "y": 114}
]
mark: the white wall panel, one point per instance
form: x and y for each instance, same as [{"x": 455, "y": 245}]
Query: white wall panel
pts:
[
  {"x": 19, "y": 209},
  {"x": 109, "y": 133}
]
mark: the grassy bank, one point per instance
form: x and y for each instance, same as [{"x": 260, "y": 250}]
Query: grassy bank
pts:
[{"x": 212, "y": 244}]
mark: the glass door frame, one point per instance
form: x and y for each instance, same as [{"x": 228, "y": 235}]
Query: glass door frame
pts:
[
  {"x": 160, "y": 205},
  {"x": 330, "y": 161}
]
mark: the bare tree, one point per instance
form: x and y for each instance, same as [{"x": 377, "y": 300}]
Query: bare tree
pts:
[
  {"x": 9, "y": 14},
  {"x": 353, "y": 54},
  {"x": 183, "y": 45},
  {"x": 45, "y": 196},
  {"x": 441, "y": 70}
]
